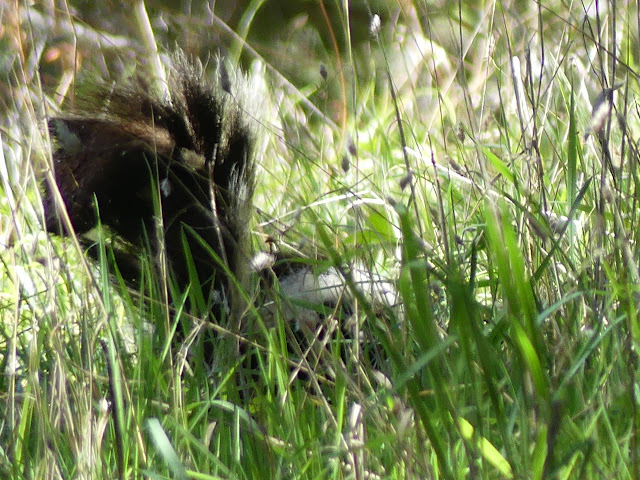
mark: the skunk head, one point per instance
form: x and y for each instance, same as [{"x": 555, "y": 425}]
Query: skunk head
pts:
[{"x": 185, "y": 158}]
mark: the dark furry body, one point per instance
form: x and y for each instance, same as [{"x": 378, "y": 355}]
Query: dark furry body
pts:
[{"x": 186, "y": 159}]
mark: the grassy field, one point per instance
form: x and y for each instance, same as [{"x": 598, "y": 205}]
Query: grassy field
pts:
[{"x": 482, "y": 157}]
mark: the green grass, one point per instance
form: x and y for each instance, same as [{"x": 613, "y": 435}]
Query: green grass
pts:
[{"x": 512, "y": 238}]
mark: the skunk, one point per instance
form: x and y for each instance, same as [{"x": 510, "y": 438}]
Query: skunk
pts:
[{"x": 178, "y": 171}]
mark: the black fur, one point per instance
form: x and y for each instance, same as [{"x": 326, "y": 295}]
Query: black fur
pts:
[{"x": 193, "y": 150}]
